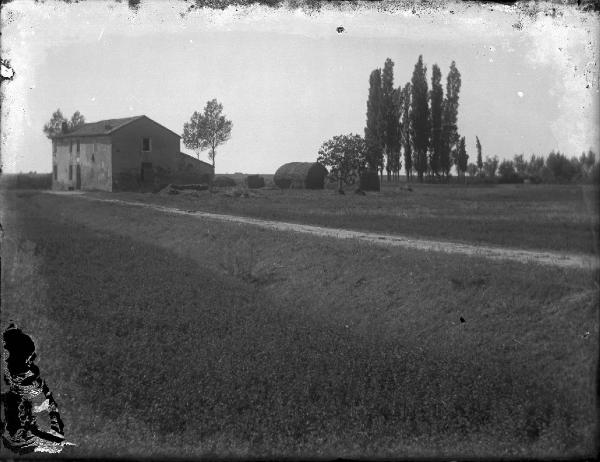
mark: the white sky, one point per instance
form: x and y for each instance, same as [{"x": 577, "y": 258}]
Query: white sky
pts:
[{"x": 288, "y": 80}]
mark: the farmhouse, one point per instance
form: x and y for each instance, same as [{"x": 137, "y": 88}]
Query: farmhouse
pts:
[
  {"x": 133, "y": 153},
  {"x": 300, "y": 175}
]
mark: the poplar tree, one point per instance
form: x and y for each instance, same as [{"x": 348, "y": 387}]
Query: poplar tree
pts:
[
  {"x": 436, "y": 96},
  {"x": 450, "y": 136},
  {"x": 406, "y": 130},
  {"x": 389, "y": 116},
  {"x": 479, "y": 158},
  {"x": 420, "y": 117},
  {"x": 398, "y": 99},
  {"x": 462, "y": 157},
  {"x": 373, "y": 136}
]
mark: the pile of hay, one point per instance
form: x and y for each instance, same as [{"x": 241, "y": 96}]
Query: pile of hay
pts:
[
  {"x": 301, "y": 175},
  {"x": 171, "y": 189}
]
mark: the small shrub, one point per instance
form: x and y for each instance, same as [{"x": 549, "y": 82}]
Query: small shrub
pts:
[{"x": 255, "y": 181}]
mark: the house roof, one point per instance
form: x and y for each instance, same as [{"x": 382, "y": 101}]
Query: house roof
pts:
[
  {"x": 105, "y": 127},
  {"x": 192, "y": 158}
]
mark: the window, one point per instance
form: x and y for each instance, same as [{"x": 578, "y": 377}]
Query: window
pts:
[
  {"x": 55, "y": 171},
  {"x": 95, "y": 147},
  {"x": 53, "y": 146},
  {"x": 146, "y": 145},
  {"x": 93, "y": 158},
  {"x": 77, "y": 146},
  {"x": 70, "y": 172},
  {"x": 70, "y": 145}
]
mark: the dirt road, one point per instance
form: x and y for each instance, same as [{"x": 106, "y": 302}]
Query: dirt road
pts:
[{"x": 565, "y": 260}]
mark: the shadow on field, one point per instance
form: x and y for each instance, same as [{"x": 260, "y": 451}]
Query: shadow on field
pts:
[{"x": 155, "y": 353}]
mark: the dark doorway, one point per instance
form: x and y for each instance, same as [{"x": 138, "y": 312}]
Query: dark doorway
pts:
[
  {"x": 78, "y": 177},
  {"x": 147, "y": 173}
]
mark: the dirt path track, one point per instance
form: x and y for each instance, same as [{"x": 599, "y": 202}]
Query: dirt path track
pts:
[{"x": 564, "y": 260}]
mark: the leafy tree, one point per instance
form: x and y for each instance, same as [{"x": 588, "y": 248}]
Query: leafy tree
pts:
[
  {"x": 436, "y": 96},
  {"x": 588, "y": 159},
  {"x": 520, "y": 165},
  {"x": 462, "y": 157},
  {"x": 472, "y": 169},
  {"x": 587, "y": 162},
  {"x": 373, "y": 131},
  {"x": 507, "y": 172},
  {"x": 420, "y": 117},
  {"x": 560, "y": 167},
  {"x": 345, "y": 155},
  {"x": 406, "y": 129},
  {"x": 450, "y": 136},
  {"x": 490, "y": 165},
  {"x": 535, "y": 167},
  {"x": 58, "y": 124},
  {"x": 77, "y": 119},
  {"x": 208, "y": 130},
  {"x": 479, "y": 158},
  {"x": 55, "y": 126}
]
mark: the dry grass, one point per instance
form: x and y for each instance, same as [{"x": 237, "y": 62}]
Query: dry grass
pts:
[
  {"x": 546, "y": 217},
  {"x": 166, "y": 335}
]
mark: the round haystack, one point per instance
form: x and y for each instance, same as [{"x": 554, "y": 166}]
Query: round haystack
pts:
[{"x": 300, "y": 175}]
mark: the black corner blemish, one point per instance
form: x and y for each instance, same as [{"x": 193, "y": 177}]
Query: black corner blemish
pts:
[
  {"x": 134, "y": 4},
  {"x": 340, "y": 29},
  {"x": 26, "y": 397},
  {"x": 7, "y": 72},
  {"x": 462, "y": 319}
]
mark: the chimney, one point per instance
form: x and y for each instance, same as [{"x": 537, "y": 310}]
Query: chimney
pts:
[
  {"x": 107, "y": 126},
  {"x": 65, "y": 127}
]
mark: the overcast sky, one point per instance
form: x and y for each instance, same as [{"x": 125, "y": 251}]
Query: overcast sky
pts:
[{"x": 288, "y": 80}]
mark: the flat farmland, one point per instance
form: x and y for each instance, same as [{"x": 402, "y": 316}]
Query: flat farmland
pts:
[
  {"x": 167, "y": 335},
  {"x": 547, "y": 217}
]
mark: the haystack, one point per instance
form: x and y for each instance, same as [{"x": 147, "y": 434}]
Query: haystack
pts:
[{"x": 300, "y": 175}]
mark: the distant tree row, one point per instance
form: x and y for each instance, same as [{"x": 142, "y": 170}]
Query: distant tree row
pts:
[
  {"x": 414, "y": 121},
  {"x": 556, "y": 168}
]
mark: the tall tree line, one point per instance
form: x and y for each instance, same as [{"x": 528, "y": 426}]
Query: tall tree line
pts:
[
  {"x": 450, "y": 136},
  {"x": 414, "y": 123}
]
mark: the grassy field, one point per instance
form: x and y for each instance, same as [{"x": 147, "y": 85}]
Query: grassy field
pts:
[
  {"x": 26, "y": 180},
  {"x": 167, "y": 335},
  {"x": 549, "y": 217}
]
